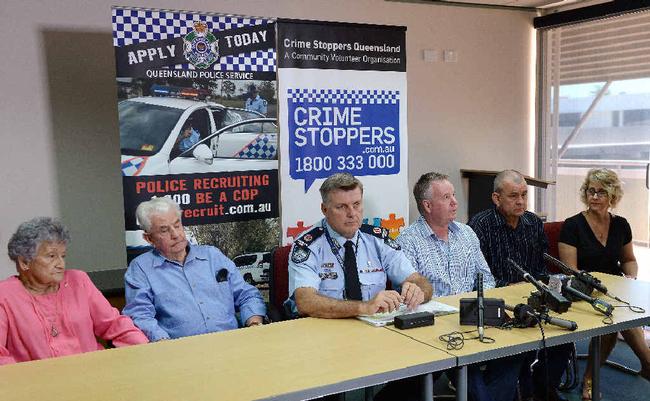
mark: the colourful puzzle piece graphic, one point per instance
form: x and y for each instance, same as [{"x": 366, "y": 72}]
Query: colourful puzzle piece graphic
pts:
[
  {"x": 294, "y": 232},
  {"x": 393, "y": 225}
]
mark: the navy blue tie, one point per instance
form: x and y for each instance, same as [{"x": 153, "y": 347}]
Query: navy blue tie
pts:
[{"x": 352, "y": 286}]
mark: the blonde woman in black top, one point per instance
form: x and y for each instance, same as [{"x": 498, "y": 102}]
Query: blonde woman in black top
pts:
[{"x": 598, "y": 240}]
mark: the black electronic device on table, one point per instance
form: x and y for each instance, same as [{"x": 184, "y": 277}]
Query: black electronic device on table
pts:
[{"x": 413, "y": 320}]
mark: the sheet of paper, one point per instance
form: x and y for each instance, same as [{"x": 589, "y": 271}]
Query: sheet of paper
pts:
[{"x": 384, "y": 318}]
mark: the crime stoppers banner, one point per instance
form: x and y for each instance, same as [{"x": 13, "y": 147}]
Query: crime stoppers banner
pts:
[
  {"x": 342, "y": 95},
  {"x": 198, "y": 123}
]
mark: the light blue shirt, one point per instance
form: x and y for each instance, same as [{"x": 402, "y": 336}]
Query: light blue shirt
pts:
[
  {"x": 258, "y": 104},
  {"x": 322, "y": 270},
  {"x": 168, "y": 300},
  {"x": 451, "y": 265},
  {"x": 188, "y": 142}
]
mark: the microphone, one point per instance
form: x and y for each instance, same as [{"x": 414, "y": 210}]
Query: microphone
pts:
[
  {"x": 553, "y": 299},
  {"x": 583, "y": 276},
  {"x": 578, "y": 290},
  {"x": 527, "y": 316},
  {"x": 479, "y": 302},
  {"x": 523, "y": 314},
  {"x": 556, "y": 321},
  {"x": 527, "y": 275},
  {"x": 598, "y": 304}
]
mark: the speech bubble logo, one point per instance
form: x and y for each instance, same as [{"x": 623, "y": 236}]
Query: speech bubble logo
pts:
[{"x": 342, "y": 130}]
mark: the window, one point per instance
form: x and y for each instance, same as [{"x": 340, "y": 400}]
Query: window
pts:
[
  {"x": 595, "y": 112},
  {"x": 569, "y": 119},
  {"x": 244, "y": 260},
  {"x": 633, "y": 118}
]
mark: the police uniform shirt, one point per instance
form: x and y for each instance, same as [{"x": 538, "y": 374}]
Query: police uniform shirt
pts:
[
  {"x": 313, "y": 264},
  {"x": 258, "y": 104}
]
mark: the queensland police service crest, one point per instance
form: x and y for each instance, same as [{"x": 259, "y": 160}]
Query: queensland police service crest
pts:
[{"x": 201, "y": 47}]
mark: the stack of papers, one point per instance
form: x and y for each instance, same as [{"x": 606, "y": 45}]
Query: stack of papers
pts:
[{"x": 384, "y": 318}]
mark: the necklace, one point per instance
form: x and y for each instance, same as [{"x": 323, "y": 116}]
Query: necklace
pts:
[
  {"x": 50, "y": 318},
  {"x": 600, "y": 229}
]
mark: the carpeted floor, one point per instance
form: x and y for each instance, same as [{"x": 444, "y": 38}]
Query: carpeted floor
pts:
[{"x": 615, "y": 385}]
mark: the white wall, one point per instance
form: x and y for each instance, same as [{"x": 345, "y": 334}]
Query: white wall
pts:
[{"x": 60, "y": 147}]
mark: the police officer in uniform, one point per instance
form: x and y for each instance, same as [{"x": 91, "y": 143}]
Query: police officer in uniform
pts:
[
  {"x": 255, "y": 101},
  {"x": 339, "y": 268}
]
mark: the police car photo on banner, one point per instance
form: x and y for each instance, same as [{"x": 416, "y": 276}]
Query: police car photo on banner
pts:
[{"x": 198, "y": 123}]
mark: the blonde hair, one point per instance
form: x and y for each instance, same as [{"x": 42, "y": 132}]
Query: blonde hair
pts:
[{"x": 609, "y": 181}]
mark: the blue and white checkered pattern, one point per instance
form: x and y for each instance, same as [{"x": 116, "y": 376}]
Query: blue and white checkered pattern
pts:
[
  {"x": 132, "y": 166},
  {"x": 343, "y": 96},
  {"x": 260, "y": 148},
  {"x": 132, "y": 25}
]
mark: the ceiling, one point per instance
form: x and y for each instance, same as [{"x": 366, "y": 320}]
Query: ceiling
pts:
[{"x": 529, "y": 4}]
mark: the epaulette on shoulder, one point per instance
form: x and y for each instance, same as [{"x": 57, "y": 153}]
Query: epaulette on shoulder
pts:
[
  {"x": 378, "y": 232},
  {"x": 310, "y": 236},
  {"x": 301, "y": 249},
  {"x": 381, "y": 233}
]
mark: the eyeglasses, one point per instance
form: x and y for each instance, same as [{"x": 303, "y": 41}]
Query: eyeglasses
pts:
[{"x": 601, "y": 193}]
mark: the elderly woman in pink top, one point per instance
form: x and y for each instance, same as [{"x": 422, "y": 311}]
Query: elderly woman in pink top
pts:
[{"x": 47, "y": 311}]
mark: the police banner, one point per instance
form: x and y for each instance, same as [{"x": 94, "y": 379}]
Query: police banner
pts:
[
  {"x": 342, "y": 95},
  {"x": 198, "y": 123}
]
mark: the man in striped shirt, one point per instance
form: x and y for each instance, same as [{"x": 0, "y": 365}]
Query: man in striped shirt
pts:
[
  {"x": 508, "y": 230},
  {"x": 448, "y": 254}
]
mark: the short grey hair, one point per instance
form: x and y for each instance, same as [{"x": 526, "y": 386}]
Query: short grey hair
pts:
[
  {"x": 513, "y": 176},
  {"x": 339, "y": 181},
  {"x": 156, "y": 205},
  {"x": 31, "y": 234},
  {"x": 422, "y": 188}
]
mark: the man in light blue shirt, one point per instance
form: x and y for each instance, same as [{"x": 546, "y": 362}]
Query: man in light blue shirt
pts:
[
  {"x": 255, "y": 101},
  {"x": 178, "y": 289},
  {"x": 319, "y": 283},
  {"x": 188, "y": 137},
  {"x": 448, "y": 254}
]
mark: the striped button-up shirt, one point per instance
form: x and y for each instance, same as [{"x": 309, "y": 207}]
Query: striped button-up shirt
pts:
[
  {"x": 451, "y": 266},
  {"x": 525, "y": 244}
]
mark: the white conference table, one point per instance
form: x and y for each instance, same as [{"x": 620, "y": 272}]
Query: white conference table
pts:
[
  {"x": 292, "y": 360},
  {"x": 516, "y": 341}
]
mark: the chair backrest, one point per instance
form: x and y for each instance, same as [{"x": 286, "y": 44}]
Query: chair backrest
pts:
[
  {"x": 552, "y": 231},
  {"x": 279, "y": 281}
]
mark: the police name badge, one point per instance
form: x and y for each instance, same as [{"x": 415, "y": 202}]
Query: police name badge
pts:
[{"x": 328, "y": 275}]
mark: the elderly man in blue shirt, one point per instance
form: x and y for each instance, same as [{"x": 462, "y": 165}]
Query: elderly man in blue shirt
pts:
[
  {"x": 448, "y": 254},
  {"x": 178, "y": 289}
]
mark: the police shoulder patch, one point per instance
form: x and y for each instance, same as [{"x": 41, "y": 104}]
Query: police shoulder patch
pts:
[
  {"x": 392, "y": 243},
  {"x": 301, "y": 249}
]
